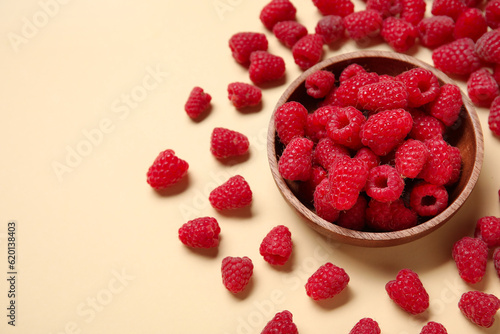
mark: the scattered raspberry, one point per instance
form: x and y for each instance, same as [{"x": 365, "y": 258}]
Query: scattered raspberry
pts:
[
  {"x": 438, "y": 168},
  {"x": 433, "y": 327},
  {"x": 470, "y": 256},
  {"x": 428, "y": 200},
  {"x": 408, "y": 292},
  {"x": 479, "y": 307},
  {"x": 492, "y": 14},
  {"x": 347, "y": 177},
  {"x": 384, "y": 183},
  {"x": 317, "y": 121},
  {"x": 383, "y": 95},
  {"x": 482, "y": 87},
  {"x": 322, "y": 204},
  {"x": 236, "y": 273},
  {"x": 451, "y": 8},
  {"x": 319, "y": 83},
  {"x": 411, "y": 157},
  {"x": 198, "y": 102},
  {"x": 290, "y": 121},
  {"x": 242, "y": 45},
  {"x": 347, "y": 91},
  {"x": 295, "y": 163},
  {"x": 368, "y": 157},
  {"x": 363, "y": 25},
  {"x": 334, "y": 7},
  {"x": 386, "y": 8},
  {"x": 488, "y": 230},
  {"x": 488, "y": 46},
  {"x": 331, "y": 28},
  {"x": 496, "y": 260},
  {"x": 447, "y": 105},
  {"x": 289, "y": 32},
  {"x": 200, "y": 232},
  {"x": 281, "y": 323},
  {"x": 225, "y": 143},
  {"x": 308, "y": 51},
  {"x": 276, "y": 247},
  {"x": 400, "y": 34},
  {"x": 471, "y": 23},
  {"x": 365, "y": 326},
  {"x": 494, "y": 117},
  {"x": 277, "y": 11},
  {"x": 328, "y": 281},
  {"x": 422, "y": 86},
  {"x": 389, "y": 216},
  {"x": 354, "y": 218},
  {"x": 327, "y": 152},
  {"x": 244, "y": 95},
  {"x": 436, "y": 30},
  {"x": 235, "y": 193},
  {"x": 344, "y": 127},
  {"x": 166, "y": 170},
  {"x": 425, "y": 126},
  {"x": 458, "y": 57},
  {"x": 413, "y": 10},
  {"x": 350, "y": 71},
  {"x": 265, "y": 67}
]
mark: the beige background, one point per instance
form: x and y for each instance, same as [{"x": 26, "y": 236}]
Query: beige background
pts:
[{"x": 90, "y": 93}]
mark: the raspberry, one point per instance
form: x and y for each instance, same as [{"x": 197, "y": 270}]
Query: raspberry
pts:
[
  {"x": 327, "y": 152},
  {"x": 488, "y": 46},
  {"x": 368, "y": 157},
  {"x": 265, "y": 67},
  {"x": 197, "y": 103},
  {"x": 334, "y": 7},
  {"x": 438, "y": 168},
  {"x": 319, "y": 83},
  {"x": 496, "y": 73},
  {"x": 225, "y": 143},
  {"x": 290, "y": 121},
  {"x": 456, "y": 165},
  {"x": 422, "y": 86},
  {"x": 458, "y": 57},
  {"x": 471, "y": 23},
  {"x": 308, "y": 51},
  {"x": 295, "y": 163},
  {"x": 326, "y": 282},
  {"x": 425, "y": 126},
  {"x": 494, "y": 117},
  {"x": 363, "y": 25},
  {"x": 482, "y": 87},
  {"x": 385, "y": 130},
  {"x": 389, "y": 216},
  {"x": 408, "y": 292},
  {"x": 201, "y": 232},
  {"x": 347, "y": 177},
  {"x": 428, "y": 200},
  {"x": 365, "y": 326},
  {"x": 384, "y": 184},
  {"x": 316, "y": 122},
  {"x": 166, "y": 170},
  {"x": 277, "y": 11},
  {"x": 470, "y": 256},
  {"x": 276, "y": 247},
  {"x": 281, "y": 323},
  {"x": 242, "y": 45},
  {"x": 386, "y": 8},
  {"x": 383, "y": 95},
  {"x": 322, "y": 204},
  {"x": 236, "y": 273},
  {"x": 347, "y": 91},
  {"x": 492, "y": 14},
  {"x": 244, "y": 95},
  {"x": 344, "y": 126},
  {"x": 447, "y": 105},
  {"x": 413, "y": 10},
  {"x": 354, "y": 218},
  {"x": 433, "y": 327},
  {"x": 331, "y": 28},
  {"x": 350, "y": 71},
  {"x": 289, "y": 32},
  {"x": 496, "y": 260},
  {"x": 411, "y": 157},
  {"x": 479, "y": 307},
  {"x": 451, "y": 8},
  {"x": 436, "y": 30},
  {"x": 399, "y": 34},
  {"x": 235, "y": 193},
  {"x": 306, "y": 189},
  {"x": 488, "y": 230}
]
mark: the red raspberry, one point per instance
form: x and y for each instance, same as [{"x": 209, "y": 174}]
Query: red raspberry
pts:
[
  {"x": 471, "y": 23},
  {"x": 244, "y": 95},
  {"x": 277, "y": 11},
  {"x": 389, "y": 216},
  {"x": 363, "y": 25},
  {"x": 330, "y": 98},
  {"x": 281, "y": 323},
  {"x": 331, "y": 28},
  {"x": 422, "y": 86},
  {"x": 399, "y": 34},
  {"x": 385, "y": 130},
  {"x": 425, "y": 126},
  {"x": 334, "y": 7},
  {"x": 435, "y": 31},
  {"x": 458, "y": 57},
  {"x": 322, "y": 203},
  {"x": 496, "y": 73},
  {"x": 344, "y": 126},
  {"x": 308, "y": 51},
  {"x": 383, "y": 95},
  {"x": 365, "y": 326},
  {"x": 289, "y": 32},
  {"x": 197, "y": 103},
  {"x": 496, "y": 260},
  {"x": 306, "y": 189},
  {"x": 438, "y": 168},
  {"x": 235, "y": 193},
  {"x": 488, "y": 46},
  {"x": 482, "y": 87},
  {"x": 413, "y": 10},
  {"x": 492, "y": 14},
  {"x": 326, "y": 282},
  {"x": 433, "y": 327},
  {"x": 479, "y": 307},
  {"x": 347, "y": 177},
  {"x": 428, "y": 200},
  {"x": 494, "y": 117},
  {"x": 317, "y": 121},
  {"x": 368, "y": 157},
  {"x": 456, "y": 164},
  {"x": 276, "y": 247},
  {"x": 200, "y": 232},
  {"x": 408, "y": 292},
  {"x": 290, "y": 121},
  {"x": 319, "y": 83},
  {"x": 236, "y": 273},
  {"x": 384, "y": 183},
  {"x": 265, "y": 67},
  {"x": 350, "y": 71},
  {"x": 386, "y": 8},
  {"x": 166, "y": 170},
  {"x": 347, "y": 91},
  {"x": 470, "y": 256},
  {"x": 411, "y": 157},
  {"x": 295, "y": 163},
  {"x": 242, "y": 45},
  {"x": 354, "y": 218},
  {"x": 488, "y": 230},
  {"x": 225, "y": 143},
  {"x": 451, "y": 8},
  {"x": 447, "y": 105},
  {"x": 327, "y": 152}
]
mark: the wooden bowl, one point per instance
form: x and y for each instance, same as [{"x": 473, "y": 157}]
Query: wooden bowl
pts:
[{"x": 468, "y": 137}]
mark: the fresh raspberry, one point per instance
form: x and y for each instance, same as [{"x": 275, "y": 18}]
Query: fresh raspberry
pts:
[
  {"x": 350, "y": 71},
  {"x": 482, "y": 87},
  {"x": 308, "y": 51},
  {"x": 225, "y": 143},
  {"x": 488, "y": 230},
  {"x": 447, "y": 105},
  {"x": 492, "y": 14},
  {"x": 458, "y": 57},
  {"x": 290, "y": 121},
  {"x": 365, "y": 326},
  {"x": 354, "y": 218},
  {"x": 344, "y": 127},
  {"x": 334, "y": 7},
  {"x": 363, "y": 25},
  {"x": 202, "y": 232},
  {"x": 494, "y": 117},
  {"x": 479, "y": 307},
  {"x": 425, "y": 126},
  {"x": 413, "y": 10},
  {"x": 265, "y": 67},
  {"x": 276, "y": 11},
  {"x": 399, "y": 34},
  {"x": 319, "y": 83},
  {"x": 384, "y": 183},
  {"x": 326, "y": 282},
  {"x": 456, "y": 165},
  {"x": 470, "y": 256},
  {"x": 389, "y": 216},
  {"x": 428, "y": 200},
  {"x": 322, "y": 203},
  {"x": 386, "y": 8},
  {"x": 451, "y": 8},
  {"x": 436, "y": 30},
  {"x": 385, "y": 130},
  {"x": 276, "y": 247},
  {"x": 330, "y": 98},
  {"x": 488, "y": 46},
  {"x": 295, "y": 163},
  {"x": 383, "y": 95},
  {"x": 368, "y": 157},
  {"x": 496, "y": 73},
  {"x": 438, "y": 168},
  {"x": 411, "y": 157},
  {"x": 496, "y": 260},
  {"x": 236, "y": 273},
  {"x": 289, "y": 32},
  {"x": 422, "y": 86},
  {"x": 471, "y": 23},
  {"x": 317, "y": 120},
  {"x": 408, "y": 292},
  {"x": 242, "y": 44},
  {"x": 281, "y": 323},
  {"x": 197, "y": 103},
  {"x": 244, "y": 95},
  {"x": 347, "y": 91},
  {"x": 347, "y": 177},
  {"x": 327, "y": 152},
  {"x": 307, "y": 188},
  {"x": 166, "y": 170},
  {"x": 331, "y": 28},
  {"x": 433, "y": 327},
  {"x": 235, "y": 193}
]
